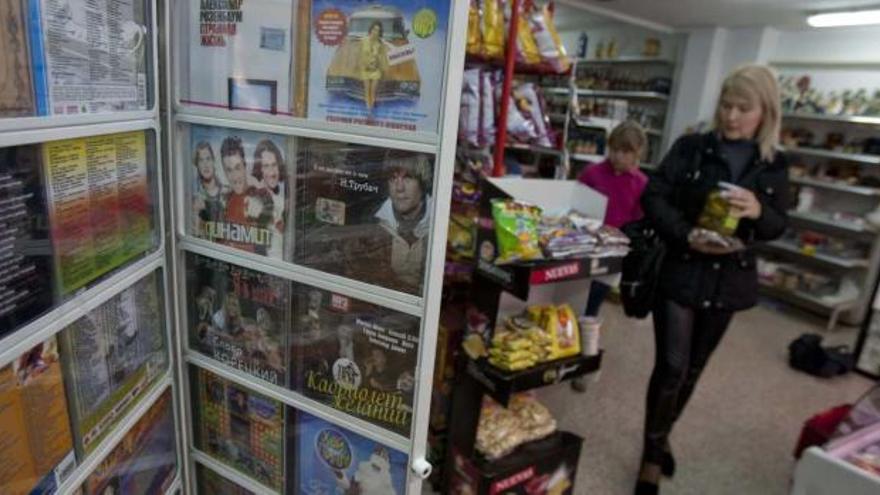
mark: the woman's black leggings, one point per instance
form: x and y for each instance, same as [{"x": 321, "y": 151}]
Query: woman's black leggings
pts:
[{"x": 684, "y": 339}]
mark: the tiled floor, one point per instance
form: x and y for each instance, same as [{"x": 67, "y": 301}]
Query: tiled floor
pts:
[{"x": 738, "y": 432}]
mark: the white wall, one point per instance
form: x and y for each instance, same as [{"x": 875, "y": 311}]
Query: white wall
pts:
[{"x": 855, "y": 45}]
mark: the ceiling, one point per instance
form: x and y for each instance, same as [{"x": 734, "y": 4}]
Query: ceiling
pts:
[{"x": 724, "y": 13}]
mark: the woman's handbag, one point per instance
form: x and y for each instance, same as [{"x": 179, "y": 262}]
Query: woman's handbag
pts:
[{"x": 641, "y": 268}]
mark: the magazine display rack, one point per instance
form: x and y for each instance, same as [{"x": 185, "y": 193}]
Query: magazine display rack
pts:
[
  {"x": 312, "y": 144},
  {"x": 87, "y": 389}
]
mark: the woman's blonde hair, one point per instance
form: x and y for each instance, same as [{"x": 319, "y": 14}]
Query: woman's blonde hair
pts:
[{"x": 757, "y": 83}]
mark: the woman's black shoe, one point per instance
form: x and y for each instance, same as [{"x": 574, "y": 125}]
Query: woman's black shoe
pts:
[
  {"x": 647, "y": 488},
  {"x": 667, "y": 465}
]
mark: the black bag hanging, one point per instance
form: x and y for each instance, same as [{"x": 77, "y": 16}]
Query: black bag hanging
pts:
[{"x": 641, "y": 268}]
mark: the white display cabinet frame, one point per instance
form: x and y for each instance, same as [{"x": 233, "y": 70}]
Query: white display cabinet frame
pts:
[
  {"x": 441, "y": 144},
  {"x": 18, "y": 131}
]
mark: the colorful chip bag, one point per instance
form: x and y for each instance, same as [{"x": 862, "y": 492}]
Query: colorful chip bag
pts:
[{"x": 516, "y": 229}]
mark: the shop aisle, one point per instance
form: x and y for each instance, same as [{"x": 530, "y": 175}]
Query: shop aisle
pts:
[{"x": 737, "y": 434}]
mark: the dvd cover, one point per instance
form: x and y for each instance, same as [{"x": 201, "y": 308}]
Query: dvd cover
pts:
[
  {"x": 145, "y": 460},
  {"x": 378, "y": 63},
  {"x": 356, "y": 357},
  {"x": 111, "y": 357},
  {"x": 100, "y": 204},
  {"x": 331, "y": 459},
  {"x": 210, "y": 483},
  {"x": 36, "y": 445},
  {"x": 364, "y": 213},
  {"x": 26, "y": 253},
  {"x": 239, "y": 188},
  {"x": 238, "y": 427},
  {"x": 237, "y": 55},
  {"x": 16, "y": 87},
  {"x": 238, "y": 316}
]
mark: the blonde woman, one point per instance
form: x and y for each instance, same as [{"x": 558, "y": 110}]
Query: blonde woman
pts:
[
  {"x": 702, "y": 284},
  {"x": 374, "y": 59}
]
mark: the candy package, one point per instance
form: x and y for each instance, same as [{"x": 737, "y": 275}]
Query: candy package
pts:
[
  {"x": 469, "y": 116},
  {"x": 560, "y": 324},
  {"x": 474, "y": 34},
  {"x": 493, "y": 28},
  {"x": 516, "y": 229},
  {"x": 550, "y": 46},
  {"x": 487, "y": 110}
]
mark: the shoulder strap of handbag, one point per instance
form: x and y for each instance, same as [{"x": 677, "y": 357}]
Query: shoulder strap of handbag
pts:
[{"x": 692, "y": 172}]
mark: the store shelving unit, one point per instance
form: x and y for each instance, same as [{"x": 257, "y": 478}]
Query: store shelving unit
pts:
[
  {"x": 86, "y": 171},
  {"x": 830, "y": 195}
]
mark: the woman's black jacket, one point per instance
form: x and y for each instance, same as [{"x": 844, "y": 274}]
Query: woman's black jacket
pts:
[{"x": 673, "y": 200}]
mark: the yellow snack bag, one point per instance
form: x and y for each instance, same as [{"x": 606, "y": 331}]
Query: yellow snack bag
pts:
[
  {"x": 493, "y": 29},
  {"x": 561, "y": 325},
  {"x": 549, "y": 44},
  {"x": 526, "y": 47},
  {"x": 474, "y": 36}
]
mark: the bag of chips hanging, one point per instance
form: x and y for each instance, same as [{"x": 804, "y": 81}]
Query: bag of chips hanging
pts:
[
  {"x": 487, "y": 112},
  {"x": 516, "y": 229},
  {"x": 493, "y": 28},
  {"x": 469, "y": 115},
  {"x": 549, "y": 45},
  {"x": 526, "y": 48},
  {"x": 474, "y": 35}
]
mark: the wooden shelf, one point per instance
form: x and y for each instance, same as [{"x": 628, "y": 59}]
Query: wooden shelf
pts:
[{"x": 626, "y": 60}]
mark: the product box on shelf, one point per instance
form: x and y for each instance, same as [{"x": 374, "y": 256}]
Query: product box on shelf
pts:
[
  {"x": 239, "y": 317},
  {"x": 356, "y": 357},
  {"x": 238, "y": 427},
  {"x": 364, "y": 213},
  {"x": 551, "y": 196},
  {"x": 543, "y": 466},
  {"x": 239, "y": 191},
  {"x": 26, "y": 251},
  {"x": 36, "y": 445},
  {"x": 145, "y": 460},
  {"x": 89, "y": 57},
  {"x": 112, "y": 356},
  {"x": 331, "y": 459}
]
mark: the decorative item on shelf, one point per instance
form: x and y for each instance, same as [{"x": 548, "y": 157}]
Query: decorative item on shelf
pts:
[
  {"x": 583, "y": 45},
  {"x": 652, "y": 47},
  {"x": 798, "y": 96}
]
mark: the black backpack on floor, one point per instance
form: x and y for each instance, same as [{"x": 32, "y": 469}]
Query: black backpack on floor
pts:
[{"x": 807, "y": 354}]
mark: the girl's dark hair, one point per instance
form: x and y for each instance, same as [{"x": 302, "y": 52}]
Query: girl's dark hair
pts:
[
  {"x": 268, "y": 145},
  {"x": 203, "y": 145},
  {"x": 381, "y": 29}
]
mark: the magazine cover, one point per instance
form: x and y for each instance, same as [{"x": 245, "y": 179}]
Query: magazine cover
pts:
[
  {"x": 237, "y": 54},
  {"x": 239, "y": 188},
  {"x": 355, "y": 356},
  {"x": 331, "y": 459},
  {"x": 364, "y": 213},
  {"x": 16, "y": 89},
  {"x": 210, "y": 483},
  {"x": 36, "y": 447},
  {"x": 100, "y": 205},
  {"x": 378, "y": 63},
  {"x": 238, "y": 427},
  {"x": 145, "y": 460},
  {"x": 111, "y": 357},
  {"x": 88, "y": 56},
  {"x": 26, "y": 274},
  {"x": 238, "y": 316}
]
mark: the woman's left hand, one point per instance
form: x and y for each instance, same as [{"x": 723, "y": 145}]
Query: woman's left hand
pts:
[{"x": 744, "y": 204}]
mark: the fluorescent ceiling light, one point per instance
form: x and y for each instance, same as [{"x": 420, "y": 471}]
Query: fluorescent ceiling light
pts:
[{"x": 853, "y": 18}]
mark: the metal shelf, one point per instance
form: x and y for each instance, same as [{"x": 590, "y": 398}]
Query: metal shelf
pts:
[
  {"x": 803, "y": 299},
  {"x": 822, "y": 221},
  {"x": 626, "y": 60},
  {"x": 584, "y": 157},
  {"x": 834, "y": 155},
  {"x": 544, "y": 150},
  {"x": 843, "y": 119},
  {"x": 835, "y": 186},
  {"x": 791, "y": 249},
  {"x": 638, "y": 95}
]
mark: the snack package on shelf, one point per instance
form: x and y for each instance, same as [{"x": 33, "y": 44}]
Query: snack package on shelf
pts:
[
  {"x": 493, "y": 29},
  {"x": 501, "y": 430},
  {"x": 516, "y": 228},
  {"x": 549, "y": 44},
  {"x": 576, "y": 235},
  {"x": 519, "y": 345},
  {"x": 527, "y": 51},
  {"x": 469, "y": 117},
  {"x": 487, "y": 107},
  {"x": 533, "y": 108},
  {"x": 560, "y": 325},
  {"x": 474, "y": 33}
]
